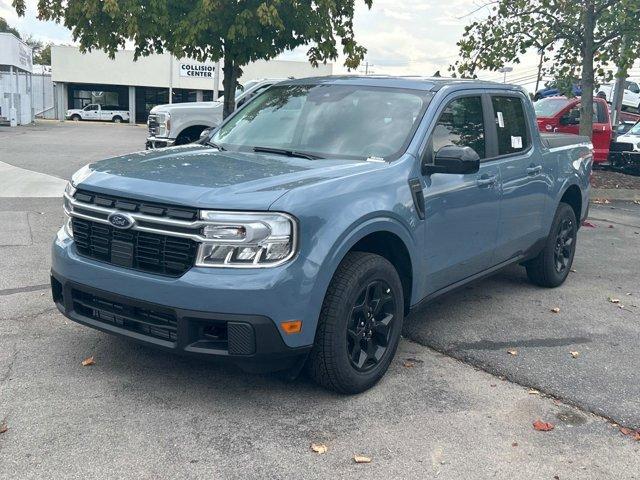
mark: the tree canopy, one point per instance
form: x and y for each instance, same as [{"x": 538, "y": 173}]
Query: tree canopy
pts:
[
  {"x": 237, "y": 31},
  {"x": 5, "y": 28},
  {"x": 581, "y": 39}
]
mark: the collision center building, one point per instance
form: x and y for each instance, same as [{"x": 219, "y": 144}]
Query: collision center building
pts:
[{"x": 139, "y": 85}]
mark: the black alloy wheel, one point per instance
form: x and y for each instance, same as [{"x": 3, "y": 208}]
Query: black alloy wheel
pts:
[
  {"x": 563, "y": 252},
  {"x": 369, "y": 329}
]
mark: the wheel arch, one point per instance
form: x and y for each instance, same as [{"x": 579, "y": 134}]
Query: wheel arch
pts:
[
  {"x": 572, "y": 196},
  {"x": 191, "y": 129},
  {"x": 386, "y": 237}
]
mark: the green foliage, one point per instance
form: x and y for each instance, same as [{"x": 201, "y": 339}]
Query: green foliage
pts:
[
  {"x": 240, "y": 31},
  {"x": 41, "y": 51},
  {"x": 5, "y": 28},
  {"x": 580, "y": 39}
]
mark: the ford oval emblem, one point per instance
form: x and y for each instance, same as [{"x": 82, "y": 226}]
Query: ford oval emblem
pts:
[{"x": 121, "y": 220}]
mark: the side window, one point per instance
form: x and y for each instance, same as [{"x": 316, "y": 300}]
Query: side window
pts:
[
  {"x": 461, "y": 124},
  {"x": 599, "y": 115},
  {"x": 632, "y": 86},
  {"x": 511, "y": 125}
]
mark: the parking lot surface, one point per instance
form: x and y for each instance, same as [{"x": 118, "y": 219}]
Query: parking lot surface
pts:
[{"x": 140, "y": 413}]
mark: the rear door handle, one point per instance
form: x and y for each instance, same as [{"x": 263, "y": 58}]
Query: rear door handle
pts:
[
  {"x": 484, "y": 181},
  {"x": 534, "y": 170}
]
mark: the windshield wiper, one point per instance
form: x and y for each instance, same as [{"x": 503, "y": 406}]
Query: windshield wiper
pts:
[
  {"x": 214, "y": 145},
  {"x": 289, "y": 153}
]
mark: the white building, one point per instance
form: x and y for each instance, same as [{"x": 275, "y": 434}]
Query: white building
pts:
[
  {"x": 16, "y": 65},
  {"x": 140, "y": 85}
]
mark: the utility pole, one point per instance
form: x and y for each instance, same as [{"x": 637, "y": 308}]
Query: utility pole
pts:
[{"x": 366, "y": 67}]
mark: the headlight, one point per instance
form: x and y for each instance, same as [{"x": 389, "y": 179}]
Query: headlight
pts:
[
  {"x": 241, "y": 240},
  {"x": 164, "y": 124},
  {"x": 69, "y": 189}
]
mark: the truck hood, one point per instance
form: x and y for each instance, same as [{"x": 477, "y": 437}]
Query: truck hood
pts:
[
  {"x": 200, "y": 176},
  {"x": 188, "y": 106}
]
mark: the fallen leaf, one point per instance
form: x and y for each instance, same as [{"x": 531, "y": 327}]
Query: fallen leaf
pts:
[
  {"x": 541, "y": 426},
  {"x": 614, "y": 300},
  {"x": 319, "y": 448},
  {"x": 555, "y": 309},
  {"x": 588, "y": 224},
  {"x": 493, "y": 385},
  {"x": 3, "y": 427},
  {"x": 637, "y": 202},
  {"x": 408, "y": 364},
  {"x": 610, "y": 226},
  {"x": 512, "y": 352},
  {"x": 573, "y": 270},
  {"x": 575, "y": 354},
  {"x": 625, "y": 431},
  {"x": 514, "y": 444},
  {"x": 88, "y": 361},
  {"x": 361, "y": 459},
  {"x": 533, "y": 391}
]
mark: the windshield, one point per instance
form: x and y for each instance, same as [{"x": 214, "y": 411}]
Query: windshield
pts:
[
  {"x": 328, "y": 121},
  {"x": 635, "y": 130},
  {"x": 548, "y": 107}
]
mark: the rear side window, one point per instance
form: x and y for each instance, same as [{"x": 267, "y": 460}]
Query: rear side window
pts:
[
  {"x": 599, "y": 113},
  {"x": 461, "y": 124},
  {"x": 511, "y": 125}
]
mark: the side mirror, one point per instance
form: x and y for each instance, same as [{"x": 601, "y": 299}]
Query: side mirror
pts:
[{"x": 453, "y": 159}]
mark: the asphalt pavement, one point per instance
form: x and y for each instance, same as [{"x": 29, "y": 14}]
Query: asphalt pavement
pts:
[{"x": 140, "y": 413}]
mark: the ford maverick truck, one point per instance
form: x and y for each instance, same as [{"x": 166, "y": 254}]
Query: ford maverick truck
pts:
[{"x": 302, "y": 230}]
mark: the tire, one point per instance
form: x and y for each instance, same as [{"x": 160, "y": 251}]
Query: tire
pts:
[
  {"x": 338, "y": 360},
  {"x": 76, "y": 118},
  {"x": 553, "y": 264},
  {"x": 117, "y": 119}
]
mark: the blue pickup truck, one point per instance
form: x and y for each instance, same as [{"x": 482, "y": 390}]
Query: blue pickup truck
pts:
[{"x": 304, "y": 228}]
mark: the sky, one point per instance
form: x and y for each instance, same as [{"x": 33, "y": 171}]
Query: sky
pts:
[{"x": 403, "y": 37}]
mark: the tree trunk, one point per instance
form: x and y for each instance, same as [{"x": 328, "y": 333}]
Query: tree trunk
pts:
[
  {"x": 586, "y": 103},
  {"x": 618, "y": 91},
  {"x": 229, "y": 83}
]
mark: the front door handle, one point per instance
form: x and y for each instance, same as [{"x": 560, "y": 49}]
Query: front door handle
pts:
[
  {"x": 534, "y": 170},
  {"x": 486, "y": 181}
]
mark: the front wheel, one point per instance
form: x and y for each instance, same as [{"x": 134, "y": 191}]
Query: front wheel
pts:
[
  {"x": 552, "y": 265},
  {"x": 360, "y": 324}
]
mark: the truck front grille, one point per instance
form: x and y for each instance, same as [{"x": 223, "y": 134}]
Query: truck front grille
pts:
[
  {"x": 149, "y": 252},
  {"x": 153, "y": 125}
]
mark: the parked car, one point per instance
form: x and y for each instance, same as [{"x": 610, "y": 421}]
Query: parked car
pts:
[
  {"x": 95, "y": 111},
  {"x": 630, "y": 98},
  {"x": 181, "y": 123},
  {"x": 551, "y": 90},
  {"x": 562, "y": 115},
  {"x": 632, "y": 136},
  {"x": 305, "y": 228}
]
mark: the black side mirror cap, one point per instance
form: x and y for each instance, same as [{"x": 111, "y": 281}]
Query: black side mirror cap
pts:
[{"x": 454, "y": 160}]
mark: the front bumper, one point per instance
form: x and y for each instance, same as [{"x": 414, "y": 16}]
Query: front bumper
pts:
[
  {"x": 158, "y": 142},
  {"x": 178, "y": 314}
]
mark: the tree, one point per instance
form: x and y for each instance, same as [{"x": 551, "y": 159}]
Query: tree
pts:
[
  {"x": 41, "y": 51},
  {"x": 237, "y": 31},
  {"x": 582, "y": 39},
  {"x": 5, "y": 28}
]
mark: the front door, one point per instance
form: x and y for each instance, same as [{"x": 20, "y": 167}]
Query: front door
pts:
[
  {"x": 526, "y": 178},
  {"x": 602, "y": 132},
  {"x": 461, "y": 211},
  {"x": 91, "y": 112}
]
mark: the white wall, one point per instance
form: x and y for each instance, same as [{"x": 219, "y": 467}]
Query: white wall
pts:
[{"x": 69, "y": 65}]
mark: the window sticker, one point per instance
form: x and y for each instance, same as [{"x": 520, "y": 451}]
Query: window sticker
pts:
[
  {"x": 516, "y": 142},
  {"x": 500, "y": 119}
]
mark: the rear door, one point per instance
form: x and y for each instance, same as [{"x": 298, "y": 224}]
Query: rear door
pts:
[
  {"x": 526, "y": 179},
  {"x": 461, "y": 211}
]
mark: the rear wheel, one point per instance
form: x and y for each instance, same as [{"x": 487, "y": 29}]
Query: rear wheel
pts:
[
  {"x": 552, "y": 266},
  {"x": 359, "y": 326},
  {"x": 117, "y": 119}
]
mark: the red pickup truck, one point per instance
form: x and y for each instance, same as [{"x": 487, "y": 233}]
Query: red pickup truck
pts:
[{"x": 562, "y": 115}]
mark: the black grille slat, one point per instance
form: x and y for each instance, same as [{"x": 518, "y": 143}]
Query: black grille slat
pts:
[
  {"x": 155, "y": 323},
  {"x": 131, "y": 205},
  {"x": 160, "y": 254}
]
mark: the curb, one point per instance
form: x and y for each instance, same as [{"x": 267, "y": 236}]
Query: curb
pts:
[{"x": 627, "y": 194}]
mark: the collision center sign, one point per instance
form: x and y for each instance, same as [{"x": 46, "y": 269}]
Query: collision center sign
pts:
[{"x": 197, "y": 70}]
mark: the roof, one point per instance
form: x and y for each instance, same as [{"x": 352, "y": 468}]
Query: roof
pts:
[{"x": 412, "y": 82}]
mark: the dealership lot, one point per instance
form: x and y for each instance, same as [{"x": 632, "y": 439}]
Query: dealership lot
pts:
[{"x": 140, "y": 413}]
